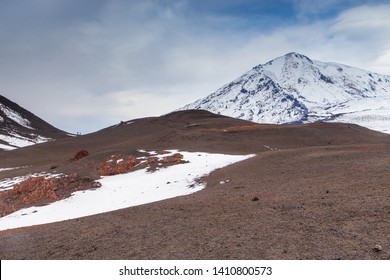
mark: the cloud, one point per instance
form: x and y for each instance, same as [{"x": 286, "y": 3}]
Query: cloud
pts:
[
  {"x": 382, "y": 62},
  {"x": 327, "y": 8},
  {"x": 312, "y": 7},
  {"x": 362, "y": 32},
  {"x": 83, "y": 65},
  {"x": 126, "y": 104},
  {"x": 364, "y": 23}
]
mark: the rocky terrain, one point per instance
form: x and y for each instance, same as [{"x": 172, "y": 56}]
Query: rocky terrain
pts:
[{"x": 311, "y": 191}]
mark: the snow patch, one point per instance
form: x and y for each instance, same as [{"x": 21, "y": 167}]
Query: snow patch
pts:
[
  {"x": 126, "y": 190},
  {"x": 17, "y": 141},
  {"x": 6, "y": 147},
  {"x": 11, "y": 168},
  {"x": 15, "y": 116}
]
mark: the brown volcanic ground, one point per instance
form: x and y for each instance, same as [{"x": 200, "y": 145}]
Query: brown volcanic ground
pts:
[{"x": 319, "y": 191}]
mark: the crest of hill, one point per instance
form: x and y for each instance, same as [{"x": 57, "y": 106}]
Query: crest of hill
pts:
[{"x": 192, "y": 130}]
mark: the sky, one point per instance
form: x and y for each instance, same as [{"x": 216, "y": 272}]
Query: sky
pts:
[{"x": 85, "y": 65}]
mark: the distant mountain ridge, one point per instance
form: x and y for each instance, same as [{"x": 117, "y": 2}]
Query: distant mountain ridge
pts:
[
  {"x": 19, "y": 127},
  {"x": 295, "y": 89}
]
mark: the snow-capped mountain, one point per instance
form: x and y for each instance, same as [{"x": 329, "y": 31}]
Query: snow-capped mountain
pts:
[
  {"x": 20, "y": 128},
  {"x": 295, "y": 89}
]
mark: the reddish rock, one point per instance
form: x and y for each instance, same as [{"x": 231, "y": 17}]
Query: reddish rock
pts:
[
  {"x": 113, "y": 168},
  {"x": 36, "y": 191},
  {"x": 80, "y": 154},
  {"x": 174, "y": 159}
]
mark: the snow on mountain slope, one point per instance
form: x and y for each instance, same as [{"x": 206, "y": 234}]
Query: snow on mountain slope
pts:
[
  {"x": 20, "y": 128},
  {"x": 125, "y": 190},
  {"x": 295, "y": 89}
]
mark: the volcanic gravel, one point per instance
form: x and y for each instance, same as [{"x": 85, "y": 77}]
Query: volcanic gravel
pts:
[{"x": 319, "y": 191}]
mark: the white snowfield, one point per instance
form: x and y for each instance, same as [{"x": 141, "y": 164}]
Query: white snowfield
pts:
[
  {"x": 294, "y": 88},
  {"x": 373, "y": 113},
  {"x": 126, "y": 190}
]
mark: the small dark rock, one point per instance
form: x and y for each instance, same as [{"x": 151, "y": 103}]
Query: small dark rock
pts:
[
  {"x": 96, "y": 185},
  {"x": 255, "y": 198},
  {"x": 377, "y": 248}
]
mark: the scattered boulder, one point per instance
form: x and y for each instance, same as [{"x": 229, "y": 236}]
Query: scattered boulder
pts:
[
  {"x": 174, "y": 159},
  {"x": 37, "y": 191},
  {"x": 80, "y": 154},
  {"x": 114, "y": 168},
  {"x": 118, "y": 165},
  {"x": 377, "y": 248}
]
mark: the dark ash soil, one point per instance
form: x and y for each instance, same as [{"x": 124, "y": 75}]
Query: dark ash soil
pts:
[{"x": 317, "y": 191}]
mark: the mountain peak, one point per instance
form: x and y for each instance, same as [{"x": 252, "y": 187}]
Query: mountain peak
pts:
[
  {"x": 292, "y": 56},
  {"x": 295, "y": 89},
  {"x": 295, "y": 55}
]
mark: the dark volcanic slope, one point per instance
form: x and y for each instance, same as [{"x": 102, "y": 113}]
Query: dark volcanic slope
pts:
[
  {"x": 322, "y": 191},
  {"x": 16, "y": 121}
]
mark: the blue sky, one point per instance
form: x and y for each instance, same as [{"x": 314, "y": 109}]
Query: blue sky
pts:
[{"x": 84, "y": 65}]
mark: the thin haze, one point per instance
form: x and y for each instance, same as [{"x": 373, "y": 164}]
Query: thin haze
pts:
[{"x": 85, "y": 65}]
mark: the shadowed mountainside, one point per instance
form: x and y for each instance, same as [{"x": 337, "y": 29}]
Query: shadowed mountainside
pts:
[{"x": 19, "y": 127}]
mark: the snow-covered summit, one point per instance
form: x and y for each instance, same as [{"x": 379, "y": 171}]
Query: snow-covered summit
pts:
[
  {"x": 295, "y": 89},
  {"x": 19, "y": 127}
]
